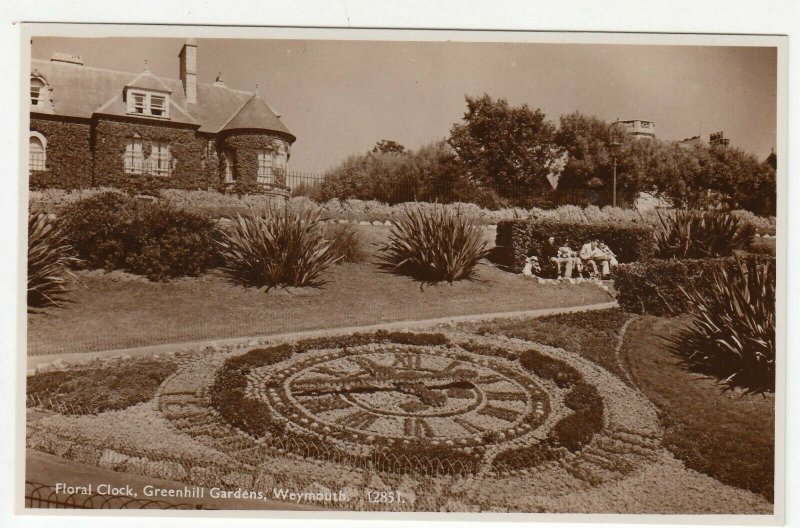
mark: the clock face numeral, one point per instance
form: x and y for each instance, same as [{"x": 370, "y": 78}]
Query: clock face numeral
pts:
[
  {"x": 326, "y": 371},
  {"x": 407, "y": 361},
  {"x": 468, "y": 426},
  {"x": 357, "y": 419},
  {"x": 499, "y": 412},
  {"x": 325, "y": 402},
  {"x": 417, "y": 427},
  {"x": 506, "y": 396},
  {"x": 491, "y": 378},
  {"x": 452, "y": 366}
]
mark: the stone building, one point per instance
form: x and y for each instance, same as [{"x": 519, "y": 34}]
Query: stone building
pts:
[
  {"x": 637, "y": 128},
  {"x": 98, "y": 127}
]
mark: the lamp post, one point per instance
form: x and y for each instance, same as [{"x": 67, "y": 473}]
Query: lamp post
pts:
[{"x": 615, "y": 145}]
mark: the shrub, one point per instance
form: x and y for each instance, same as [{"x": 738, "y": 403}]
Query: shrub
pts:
[
  {"x": 49, "y": 254},
  {"x": 280, "y": 247},
  {"x": 112, "y": 231},
  {"x": 433, "y": 245},
  {"x": 344, "y": 242},
  {"x": 700, "y": 234},
  {"x": 94, "y": 226},
  {"x": 654, "y": 286},
  {"x": 732, "y": 336},
  {"x": 516, "y": 238}
]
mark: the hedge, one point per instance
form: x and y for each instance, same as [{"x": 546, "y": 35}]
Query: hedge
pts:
[
  {"x": 630, "y": 241},
  {"x": 653, "y": 286}
]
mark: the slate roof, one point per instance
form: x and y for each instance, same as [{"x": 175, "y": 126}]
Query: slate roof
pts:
[
  {"x": 81, "y": 91},
  {"x": 255, "y": 113}
]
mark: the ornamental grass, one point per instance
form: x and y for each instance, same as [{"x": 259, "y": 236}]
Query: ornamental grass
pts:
[
  {"x": 49, "y": 255},
  {"x": 433, "y": 245},
  {"x": 687, "y": 234},
  {"x": 277, "y": 247},
  {"x": 732, "y": 334}
]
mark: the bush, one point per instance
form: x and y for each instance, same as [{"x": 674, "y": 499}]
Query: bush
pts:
[
  {"x": 654, "y": 286},
  {"x": 112, "y": 231},
  {"x": 732, "y": 336},
  {"x": 433, "y": 245},
  {"x": 701, "y": 234},
  {"x": 49, "y": 254},
  {"x": 280, "y": 247},
  {"x": 516, "y": 238},
  {"x": 345, "y": 243}
]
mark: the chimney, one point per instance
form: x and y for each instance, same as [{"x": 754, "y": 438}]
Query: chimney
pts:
[{"x": 188, "y": 57}]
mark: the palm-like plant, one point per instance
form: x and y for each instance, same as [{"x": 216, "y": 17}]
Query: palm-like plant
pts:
[
  {"x": 49, "y": 255},
  {"x": 433, "y": 245},
  {"x": 276, "y": 247},
  {"x": 701, "y": 234},
  {"x": 732, "y": 335}
]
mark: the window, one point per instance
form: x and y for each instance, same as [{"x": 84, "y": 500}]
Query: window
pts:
[
  {"x": 266, "y": 163},
  {"x": 134, "y": 158},
  {"x": 157, "y": 105},
  {"x": 148, "y": 104},
  {"x": 37, "y": 91},
  {"x": 38, "y": 153},
  {"x": 229, "y": 177},
  {"x": 160, "y": 162},
  {"x": 139, "y": 103}
]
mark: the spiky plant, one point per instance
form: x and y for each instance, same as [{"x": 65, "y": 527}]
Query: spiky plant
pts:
[
  {"x": 276, "y": 247},
  {"x": 49, "y": 255},
  {"x": 732, "y": 334},
  {"x": 433, "y": 245},
  {"x": 700, "y": 234}
]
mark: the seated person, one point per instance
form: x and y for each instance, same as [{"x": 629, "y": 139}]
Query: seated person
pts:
[
  {"x": 591, "y": 254},
  {"x": 612, "y": 258},
  {"x": 558, "y": 256}
]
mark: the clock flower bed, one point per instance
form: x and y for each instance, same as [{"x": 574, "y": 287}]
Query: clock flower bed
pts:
[{"x": 455, "y": 420}]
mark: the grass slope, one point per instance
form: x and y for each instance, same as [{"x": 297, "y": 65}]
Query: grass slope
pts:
[
  {"x": 726, "y": 435},
  {"x": 592, "y": 334},
  {"x": 107, "y": 313}
]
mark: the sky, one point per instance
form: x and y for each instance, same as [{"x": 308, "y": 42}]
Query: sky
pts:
[{"x": 341, "y": 97}]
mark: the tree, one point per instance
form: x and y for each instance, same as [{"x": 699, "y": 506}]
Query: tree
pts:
[
  {"x": 509, "y": 149},
  {"x": 387, "y": 146},
  {"x": 586, "y": 139}
]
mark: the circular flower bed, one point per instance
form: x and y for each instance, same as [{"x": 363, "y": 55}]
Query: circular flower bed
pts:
[{"x": 410, "y": 402}]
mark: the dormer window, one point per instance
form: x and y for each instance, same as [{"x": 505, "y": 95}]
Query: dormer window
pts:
[
  {"x": 37, "y": 91},
  {"x": 148, "y": 104}
]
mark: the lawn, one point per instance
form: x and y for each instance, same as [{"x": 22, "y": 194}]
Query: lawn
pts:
[
  {"x": 109, "y": 311},
  {"x": 593, "y": 335},
  {"x": 727, "y": 435}
]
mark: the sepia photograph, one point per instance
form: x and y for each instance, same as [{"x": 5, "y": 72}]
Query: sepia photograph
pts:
[{"x": 468, "y": 272}]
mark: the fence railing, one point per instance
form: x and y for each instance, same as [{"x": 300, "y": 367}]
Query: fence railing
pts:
[
  {"x": 38, "y": 495},
  {"x": 258, "y": 456}
]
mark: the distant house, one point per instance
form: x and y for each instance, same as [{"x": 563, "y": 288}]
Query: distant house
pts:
[
  {"x": 94, "y": 127},
  {"x": 637, "y": 128}
]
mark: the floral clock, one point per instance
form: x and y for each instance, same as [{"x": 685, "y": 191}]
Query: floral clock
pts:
[{"x": 399, "y": 394}]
